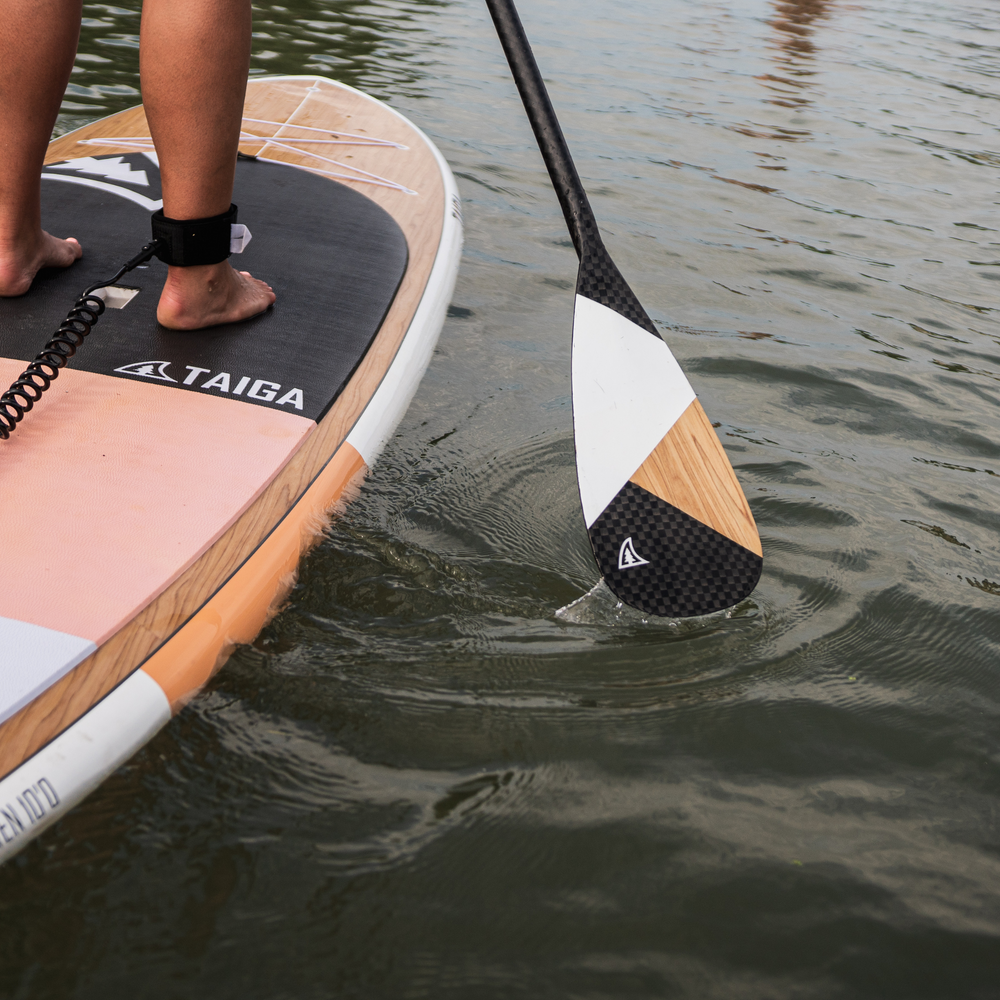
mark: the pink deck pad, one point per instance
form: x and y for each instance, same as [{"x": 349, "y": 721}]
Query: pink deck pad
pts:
[{"x": 111, "y": 488}]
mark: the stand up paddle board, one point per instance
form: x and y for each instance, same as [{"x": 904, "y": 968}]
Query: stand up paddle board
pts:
[{"x": 158, "y": 498}]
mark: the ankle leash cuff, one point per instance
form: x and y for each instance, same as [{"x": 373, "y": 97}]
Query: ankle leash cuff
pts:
[{"x": 188, "y": 242}]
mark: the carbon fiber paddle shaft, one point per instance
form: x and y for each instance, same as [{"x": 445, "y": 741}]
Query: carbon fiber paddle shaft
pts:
[{"x": 548, "y": 133}]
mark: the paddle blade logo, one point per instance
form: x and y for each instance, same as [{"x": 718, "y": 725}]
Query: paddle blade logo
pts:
[
  {"x": 148, "y": 369},
  {"x": 628, "y": 558}
]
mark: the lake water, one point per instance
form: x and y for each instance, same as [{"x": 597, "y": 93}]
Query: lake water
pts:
[{"x": 419, "y": 781}]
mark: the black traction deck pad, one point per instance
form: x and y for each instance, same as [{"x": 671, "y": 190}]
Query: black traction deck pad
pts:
[{"x": 334, "y": 258}]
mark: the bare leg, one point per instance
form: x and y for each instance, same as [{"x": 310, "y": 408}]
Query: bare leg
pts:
[
  {"x": 37, "y": 47},
  {"x": 194, "y": 60}
]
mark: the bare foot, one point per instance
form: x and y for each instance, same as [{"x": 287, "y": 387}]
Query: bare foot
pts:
[
  {"x": 210, "y": 294},
  {"x": 21, "y": 260}
]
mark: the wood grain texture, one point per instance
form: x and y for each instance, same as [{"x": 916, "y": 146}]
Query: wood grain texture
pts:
[
  {"x": 295, "y": 103},
  {"x": 690, "y": 470}
]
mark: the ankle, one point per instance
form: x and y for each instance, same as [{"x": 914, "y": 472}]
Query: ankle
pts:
[
  {"x": 18, "y": 241},
  {"x": 197, "y": 275}
]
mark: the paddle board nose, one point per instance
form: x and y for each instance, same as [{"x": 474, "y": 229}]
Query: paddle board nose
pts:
[{"x": 160, "y": 495}]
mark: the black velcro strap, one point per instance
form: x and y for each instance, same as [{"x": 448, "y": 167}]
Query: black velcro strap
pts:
[{"x": 188, "y": 242}]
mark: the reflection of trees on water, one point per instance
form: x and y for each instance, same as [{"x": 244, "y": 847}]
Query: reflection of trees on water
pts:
[
  {"x": 795, "y": 20},
  {"x": 794, "y": 23},
  {"x": 377, "y": 45}
]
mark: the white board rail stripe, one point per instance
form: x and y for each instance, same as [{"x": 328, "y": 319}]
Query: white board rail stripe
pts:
[
  {"x": 392, "y": 397},
  {"x": 63, "y": 773}
]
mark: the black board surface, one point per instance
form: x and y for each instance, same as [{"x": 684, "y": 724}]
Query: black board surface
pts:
[{"x": 334, "y": 258}]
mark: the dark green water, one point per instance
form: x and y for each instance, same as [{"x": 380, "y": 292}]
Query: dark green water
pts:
[{"x": 419, "y": 782}]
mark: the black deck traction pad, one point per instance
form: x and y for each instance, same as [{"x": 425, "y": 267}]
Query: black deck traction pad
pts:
[
  {"x": 334, "y": 258},
  {"x": 692, "y": 569}
]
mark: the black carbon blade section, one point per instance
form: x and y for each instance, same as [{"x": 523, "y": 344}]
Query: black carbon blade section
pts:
[
  {"x": 674, "y": 566},
  {"x": 600, "y": 280}
]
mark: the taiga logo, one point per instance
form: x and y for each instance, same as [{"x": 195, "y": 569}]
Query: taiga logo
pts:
[{"x": 232, "y": 385}]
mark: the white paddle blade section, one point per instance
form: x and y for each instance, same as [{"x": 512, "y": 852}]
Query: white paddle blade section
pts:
[
  {"x": 31, "y": 659},
  {"x": 628, "y": 391}
]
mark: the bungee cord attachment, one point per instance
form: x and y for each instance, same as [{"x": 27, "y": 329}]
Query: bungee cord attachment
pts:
[
  {"x": 288, "y": 144},
  {"x": 44, "y": 370}
]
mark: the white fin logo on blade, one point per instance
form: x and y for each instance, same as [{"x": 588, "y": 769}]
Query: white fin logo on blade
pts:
[
  {"x": 628, "y": 558},
  {"x": 114, "y": 168},
  {"x": 147, "y": 369}
]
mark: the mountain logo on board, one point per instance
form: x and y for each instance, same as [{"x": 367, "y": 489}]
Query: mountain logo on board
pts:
[
  {"x": 114, "y": 168},
  {"x": 628, "y": 558},
  {"x": 147, "y": 369}
]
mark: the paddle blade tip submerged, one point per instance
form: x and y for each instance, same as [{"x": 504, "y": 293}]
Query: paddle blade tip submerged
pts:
[{"x": 660, "y": 560}]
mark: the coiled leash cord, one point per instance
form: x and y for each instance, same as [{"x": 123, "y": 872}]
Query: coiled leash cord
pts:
[
  {"x": 44, "y": 370},
  {"x": 181, "y": 243}
]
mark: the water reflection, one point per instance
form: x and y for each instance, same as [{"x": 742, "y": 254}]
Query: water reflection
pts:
[
  {"x": 795, "y": 20},
  {"x": 794, "y": 24},
  {"x": 365, "y": 44}
]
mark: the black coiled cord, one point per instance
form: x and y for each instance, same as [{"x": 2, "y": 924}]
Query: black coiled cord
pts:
[{"x": 44, "y": 370}]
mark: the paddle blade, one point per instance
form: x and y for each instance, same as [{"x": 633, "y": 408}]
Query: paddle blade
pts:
[{"x": 670, "y": 527}]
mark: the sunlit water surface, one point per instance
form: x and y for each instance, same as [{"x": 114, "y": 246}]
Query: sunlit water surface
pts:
[{"x": 421, "y": 782}]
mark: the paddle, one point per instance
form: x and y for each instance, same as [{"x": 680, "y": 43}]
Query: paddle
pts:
[{"x": 670, "y": 527}]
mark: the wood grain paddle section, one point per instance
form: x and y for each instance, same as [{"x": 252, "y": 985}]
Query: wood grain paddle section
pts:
[
  {"x": 690, "y": 470},
  {"x": 401, "y": 174}
]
